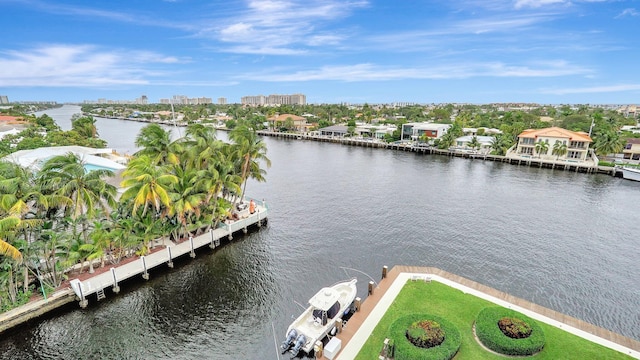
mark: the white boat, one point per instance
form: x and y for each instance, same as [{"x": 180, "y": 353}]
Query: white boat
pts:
[
  {"x": 631, "y": 173},
  {"x": 325, "y": 308}
]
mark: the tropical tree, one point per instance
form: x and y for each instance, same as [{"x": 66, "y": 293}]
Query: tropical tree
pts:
[
  {"x": 559, "y": 149},
  {"x": 251, "y": 151},
  {"x": 542, "y": 147},
  {"x": 147, "y": 184},
  {"x": 474, "y": 143},
  {"x": 499, "y": 144},
  {"x": 608, "y": 142},
  {"x": 88, "y": 192},
  {"x": 156, "y": 143}
]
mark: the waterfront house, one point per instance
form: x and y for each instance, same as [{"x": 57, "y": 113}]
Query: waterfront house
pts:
[
  {"x": 299, "y": 123},
  {"x": 484, "y": 141},
  {"x": 374, "y": 131},
  {"x": 576, "y": 144},
  {"x": 631, "y": 150},
  {"x": 334, "y": 131},
  {"x": 415, "y": 131}
]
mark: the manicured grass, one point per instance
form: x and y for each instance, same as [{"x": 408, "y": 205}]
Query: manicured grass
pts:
[{"x": 461, "y": 309}]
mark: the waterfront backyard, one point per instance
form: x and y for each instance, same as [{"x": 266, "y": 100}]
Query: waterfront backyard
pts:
[{"x": 461, "y": 310}]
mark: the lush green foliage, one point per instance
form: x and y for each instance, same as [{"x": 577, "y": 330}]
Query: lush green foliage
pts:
[
  {"x": 491, "y": 336},
  {"x": 461, "y": 309},
  {"x": 406, "y": 350},
  {"x": 65, "y": 215}
]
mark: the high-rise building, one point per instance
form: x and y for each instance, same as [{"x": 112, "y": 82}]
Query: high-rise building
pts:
[
  {"x": 4, "y": 99},
  {"x": 274, "y": 99},
  {"x": 222, "y": 101}
]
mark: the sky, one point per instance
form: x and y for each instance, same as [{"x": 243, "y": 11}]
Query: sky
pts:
[{"x": 333, "y": 51}]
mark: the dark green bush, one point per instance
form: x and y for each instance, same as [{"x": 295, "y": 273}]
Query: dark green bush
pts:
[
  {"x": 491, "y": 336},
  {"x": 405, "y": 350}
]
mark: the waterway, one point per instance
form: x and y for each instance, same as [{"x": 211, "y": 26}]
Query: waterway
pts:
[{"x": 564, "y": 240}]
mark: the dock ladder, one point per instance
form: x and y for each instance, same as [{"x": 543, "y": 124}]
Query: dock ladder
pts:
[{"x": 100, "y": 294}]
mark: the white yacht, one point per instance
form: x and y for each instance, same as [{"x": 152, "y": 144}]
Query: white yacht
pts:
[
  {"x": 631, "y": 173},
  {"x": 325, "y": 308}
]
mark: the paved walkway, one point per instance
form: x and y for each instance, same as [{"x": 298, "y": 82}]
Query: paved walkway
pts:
[{"x": 361, "y": 324}]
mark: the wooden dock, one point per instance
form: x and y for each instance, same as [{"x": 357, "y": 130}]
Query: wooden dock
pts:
[
  {"x": 566, "y": 165},
  {"x": 141, "y": 266}
]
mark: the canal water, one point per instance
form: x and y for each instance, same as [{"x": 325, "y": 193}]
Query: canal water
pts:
[{"x": 564, "y": 240}]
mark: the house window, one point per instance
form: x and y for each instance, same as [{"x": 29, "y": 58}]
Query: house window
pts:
[
  {"x": 628, "y": 146},
  {"x": 526, "y": 150},
  {"x": 573, "y": 155},
  {"x": 528, "y": 141}
]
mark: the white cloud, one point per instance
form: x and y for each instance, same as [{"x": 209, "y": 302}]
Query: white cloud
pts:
[
  {"x": 77, "y": 66},
  {"x": 536, "y": 3},
  {"x": 593, "y": 90},
  {"x": 628, "y": 12},
  {"x": 282, "y": 27},
  {"x": 371, "y": 72}
]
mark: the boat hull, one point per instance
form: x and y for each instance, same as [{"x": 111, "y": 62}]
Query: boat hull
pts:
[
  {"x": 631, "y": 174},
  {"x": 313, "y": 331}
]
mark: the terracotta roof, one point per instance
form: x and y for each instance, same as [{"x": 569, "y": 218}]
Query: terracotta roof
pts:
[
  {"x": 283, "y": 117},
  {"x": 633, "y": 141},
  {"x": 556, "y": 132}
]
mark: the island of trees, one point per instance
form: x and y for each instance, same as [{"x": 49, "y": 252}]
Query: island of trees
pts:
[{"x": 62, "y": 216}]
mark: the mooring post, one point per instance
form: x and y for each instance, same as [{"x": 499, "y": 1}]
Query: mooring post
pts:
[
  {"x": 338, "y": 326},
  {"x": 230, "y": 232},
  {"x": 258, "y": 214},
  {"x": 170, "y": 263},
  {"x": 384, "y": 271},
  {"x": 116, "y": 288},
  {"x": 192, "y": 253},
  {"x": 357, "y": 303},
  {"x": 370, "y": 287},
  {"x": 83, "y": 302},
  {"x": 145, "y": 274},
  {"x": 212, "y": 245}
]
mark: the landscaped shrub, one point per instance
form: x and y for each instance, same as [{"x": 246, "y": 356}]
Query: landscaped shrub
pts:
[
  {"x": 425, "y": 334},
  {"x": 406, "y": 350},
  {"x": 490, "y": 334}
]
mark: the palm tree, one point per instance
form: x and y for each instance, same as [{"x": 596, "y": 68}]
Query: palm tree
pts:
[
  {"x": 66, "y": 175},
  {"x": 559, "y": 149},
  {"x": 499, "y": 144},
  {"x": 542, "y": 147},
  {"x": 609, "y": 142},
  {"x": 474, "y": 143},
  {"x": 156, "y": 143},
  {"x": 186, "y": 198},
  {"x": 147, "y": 184},
  {"x": 251, "y": 150}
]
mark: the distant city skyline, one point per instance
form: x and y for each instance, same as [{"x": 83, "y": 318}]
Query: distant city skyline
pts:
[{"x": 352, "y": 51}]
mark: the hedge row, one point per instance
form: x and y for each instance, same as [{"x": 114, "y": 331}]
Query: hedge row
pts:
[
  {"x": 491, "y": 336},
  {"x": 405, "y": 350}
]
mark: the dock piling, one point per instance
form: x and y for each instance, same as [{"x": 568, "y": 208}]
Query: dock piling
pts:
[
  {"x": 115, "y": 288},
  {"x": 193, "y": 252},
  {"x": 145, "y": 274},
  {"x": 384, "y": 271},
  {"x": 212, "y": 245},
  {"x": 357, "y": 303},
  {"x": 170, "y": 263},
  {"x": 370, "y": 291},
  {"x": 317, "y": 349}
]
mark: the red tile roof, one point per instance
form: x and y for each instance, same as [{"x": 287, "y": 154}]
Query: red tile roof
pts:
[{"x": 556, "y": 132}]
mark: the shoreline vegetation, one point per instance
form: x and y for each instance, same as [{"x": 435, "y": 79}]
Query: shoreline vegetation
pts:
[{"x": 60, "y": 221}]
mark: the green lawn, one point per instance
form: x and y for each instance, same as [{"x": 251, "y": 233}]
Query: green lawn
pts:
[{"x": 461, "y": 309}]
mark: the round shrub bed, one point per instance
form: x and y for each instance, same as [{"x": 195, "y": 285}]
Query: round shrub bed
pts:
[
  {"x": 491, "y": 334},
  {"x": 406, "y": 350}
]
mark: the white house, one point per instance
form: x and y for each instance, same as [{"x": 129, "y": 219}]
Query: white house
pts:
[
  {"x": 414, "y": 131},
  {"x": 484, "y": 141}
]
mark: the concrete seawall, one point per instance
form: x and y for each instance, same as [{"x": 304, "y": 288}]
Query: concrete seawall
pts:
[{"x": 32, "y": 310}]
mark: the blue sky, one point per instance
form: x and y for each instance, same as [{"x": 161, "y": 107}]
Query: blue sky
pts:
[{"x": 354, "y": 51}]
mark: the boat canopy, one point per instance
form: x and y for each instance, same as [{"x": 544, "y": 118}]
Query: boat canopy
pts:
[{"x": 324, "y": 299}]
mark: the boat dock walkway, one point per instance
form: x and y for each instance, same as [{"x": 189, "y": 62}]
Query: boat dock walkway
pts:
[{"x": 141, "y": 266}]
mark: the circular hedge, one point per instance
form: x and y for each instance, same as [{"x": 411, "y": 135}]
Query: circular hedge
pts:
[
  {"x": 405, "y": 350},
  {"x": 491, "y": 336}
]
